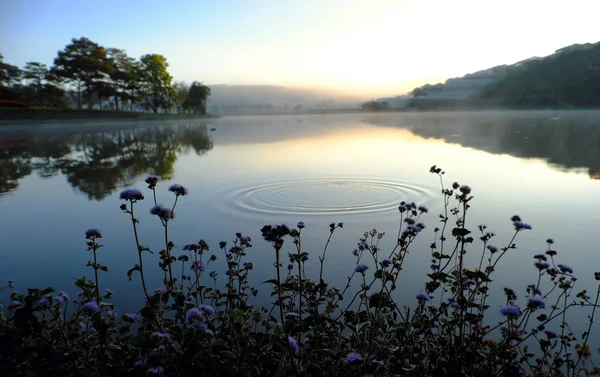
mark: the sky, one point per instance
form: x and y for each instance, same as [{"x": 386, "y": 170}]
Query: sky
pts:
[{"x": 378, "y": 47}]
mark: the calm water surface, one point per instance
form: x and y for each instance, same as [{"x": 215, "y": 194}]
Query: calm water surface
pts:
[{"x": 243, "y": 172}]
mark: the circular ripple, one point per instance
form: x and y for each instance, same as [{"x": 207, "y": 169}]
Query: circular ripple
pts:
[{"x": 326, "y": 197}]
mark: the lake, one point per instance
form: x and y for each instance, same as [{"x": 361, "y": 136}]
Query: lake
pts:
[{"x": 56, "y": 181}]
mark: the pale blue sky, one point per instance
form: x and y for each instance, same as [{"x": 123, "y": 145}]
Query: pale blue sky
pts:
[{"x": 375, "y": 46}]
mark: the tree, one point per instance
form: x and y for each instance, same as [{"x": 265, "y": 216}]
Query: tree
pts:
[
  {"x": 197, "y": 98},
  {"x": 122, "y": 74},
  {"x": 9, "y": 74},
  {"x": 35, "y": 73},
  {"x": 181, "y": 94},
  {"x": 82, "y": 63},
  {"x": 155, "y": 81}
]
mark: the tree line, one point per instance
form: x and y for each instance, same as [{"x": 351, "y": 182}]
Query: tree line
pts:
[{"x": 85, "y": 72}]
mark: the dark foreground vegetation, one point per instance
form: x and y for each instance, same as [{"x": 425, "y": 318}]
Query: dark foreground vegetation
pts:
[
  {"x": 103, "y": 79},
  {"x": 206, "y": 323}
]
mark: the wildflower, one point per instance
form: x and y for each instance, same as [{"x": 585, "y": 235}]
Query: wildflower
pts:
[
  {"x": 423, "y": 209},
  {"x": 291, "y": 315},
  {"x": 521, "y": 226},
  {"x": 300, "y": 224},
  {"x": 511, "y": 311},
  {"x": 91, "y": 307},
  {"x": 108, "y": 293},
  {"x": 420, "y": 225},
  {"x": 540, "y": 257},
  {"x": 208, "y": 309},
  {"x": 152, "y": 181},
  {"x": 386, "y": 262},
  {"x": 542, "y": 265},
  {"x": 244, "y": 240},
  {"x": 222, "y": 244},
  {"x": 413, "y": 228},
  {"x": 455, "y": 185},
  {"x": 466, "y": 190},
  {"x": 111, "y": 313},
  {"x": 162, "y": 212},
  {"x": 198, "y": 266},
  {"x": 375, "y": 361},
  {"x": 564, "y": 268},
  {"x": 131, "y": 195},
  {"x": 550, "y": 241},
  {"x": 157, "y": 370},
  {"x": 453, "y": 303},
  {"x": 93, "y": 233},
  {"x": 551, "y": 253},
  {"x": 422, "y": 296},
  {"x": 130, "y": 317},
  {"x": 493, "y": 249},
  {"x": 409, "y": 221},
  {"x": 138, "y": 363},
  {"x": 162, "y": 335},
  {"x": 191, "y": 246},
  {"x": 178, "y": 190},
  {"x": 63, "y": 295},
  {"x": 361, "y": 268},
  {"x": 435, "y": 266},
  {"x": 551, "y": 334},
  {"x": 355, "y": 252},
  {"x": 341, "y": 225},
  {"x": 161, "y": 290},
  {"x": 87, "y": 327},
  {"x": 248, "y": 265},
  {"x": 194, "y": 314},
  {"x": 293, "y": 344},
  {"x": 352, "y": 357},
  {"x": 197, "y": 325},
  {"x": 536, "y": 303},
  {"x": 42, "y": 302},
  {"x": 183, "y": 258}
]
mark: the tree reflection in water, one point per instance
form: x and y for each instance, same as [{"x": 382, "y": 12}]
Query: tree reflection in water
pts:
[{"x": 98, "y": 163}]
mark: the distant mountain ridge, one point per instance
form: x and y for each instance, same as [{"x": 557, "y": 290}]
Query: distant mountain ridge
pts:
[{"x": 570, "y": 77}]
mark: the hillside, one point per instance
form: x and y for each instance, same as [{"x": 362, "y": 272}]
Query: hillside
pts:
[{"x": 569, "y": 78}]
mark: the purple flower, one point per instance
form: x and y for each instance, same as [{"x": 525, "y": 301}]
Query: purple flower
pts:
[
  {"x": 183, "y": 257},
  {"x": 355, "y": 252},
  {"x": 551, "y": 334},
  {"x": 191, "y": 246},
  {"x": 293, "y": 344},
  {"x": 386, "y": 262},
  {"x": 541, "y": 265},
  {"x": 248, "y": 265},
  {"x": 375, "y": 361},
  {"x": 157, "y": 370},
  {"x": 361, "y": 268},
  {"x": 42, "y": 302},
  {"x": 178, "y": 190},
  {"x": 413, "y": 228},
  {"x": 138, "y": 363},
  {"x": 422, "y": 296},
  {"x": 564, "y": 268},
  {"x": 130, "y": 317},
  {"x": 63, "y": 295},
  {"x": 163, "y": 212},
  {"x": 152, "y": 181},
  {"x": 540, "y": 257},
  {"x": 493, "y": 249},
  {"x": 550, "y": 241},
  {"x": 352, "y": 357},
  {"x": 536, "y": 303},
  {"x": 199, "y": 266},
  {"x": 162, "y": 335},
  {"x": 291, "y": 315},
  {"x": 194, "y": 314},
  {"x": 91, "y": 307},
  {"x": 93, "y": 233},
  {"x": 423, "y": 209},
  {"x": 132, "y": 195},
  {"x": 521, "y": 226},
  {"x": 207, "y": 309},
  {"x": 300, "y": 224},
  {"x": 87, "y": 327},
  {"x": 511, "y": 311},
  {"x": 453, "y": 303}
]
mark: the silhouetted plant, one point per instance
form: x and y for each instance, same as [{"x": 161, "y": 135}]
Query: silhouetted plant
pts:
[{"x": 194, "y": 326}]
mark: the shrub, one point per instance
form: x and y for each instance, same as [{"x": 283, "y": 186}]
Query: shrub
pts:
[{"x": 194, "y": 326}]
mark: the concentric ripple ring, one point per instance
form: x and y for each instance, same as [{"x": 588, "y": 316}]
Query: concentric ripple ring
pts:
[{"x": 326, "y": 196}]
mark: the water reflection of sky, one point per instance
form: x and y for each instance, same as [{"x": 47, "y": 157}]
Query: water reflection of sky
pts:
[{"x": 255, "y": 170}]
